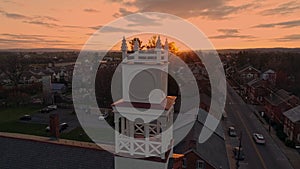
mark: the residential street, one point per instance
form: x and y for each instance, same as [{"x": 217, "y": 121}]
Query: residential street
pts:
[{"x": 240, "y": 115}]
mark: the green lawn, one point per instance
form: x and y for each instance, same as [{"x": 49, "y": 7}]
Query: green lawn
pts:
[
  {"x": 14, "y": 113},
  {"x": 9, "y": 121},
  {"x": 76, "y": 134}
]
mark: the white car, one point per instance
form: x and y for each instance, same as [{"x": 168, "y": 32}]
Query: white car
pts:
[
  {"x": 259, "y": 138},
  {"x": 103, "y": 116},
  {"x": 52, "y": 107}
]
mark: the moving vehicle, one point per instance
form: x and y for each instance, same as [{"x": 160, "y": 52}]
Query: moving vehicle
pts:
[
  {"x": 259, "y": 138},
  {"x": 232, "y": 131}
]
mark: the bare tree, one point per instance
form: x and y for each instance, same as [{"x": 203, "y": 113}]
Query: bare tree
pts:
[
  {"x": 131, "y": 42},
  {"x": 13, "y": 66},
  {"x": 152, "y": 44}
]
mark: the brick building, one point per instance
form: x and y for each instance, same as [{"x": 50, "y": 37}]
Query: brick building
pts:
[
  {"x": 278, "y": 102},
  {"x": 291, "y": 125}
]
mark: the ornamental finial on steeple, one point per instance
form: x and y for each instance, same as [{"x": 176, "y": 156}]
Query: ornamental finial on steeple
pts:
[
  {"x": 166, "y": 45},
  {"x": 158, "y": 43},
  {"x": 136, "y": 46},
  {"x": 124, "y": 45}
]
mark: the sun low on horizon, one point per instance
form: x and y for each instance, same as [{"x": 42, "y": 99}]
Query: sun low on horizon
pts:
[{"x": 227, "y": 24}]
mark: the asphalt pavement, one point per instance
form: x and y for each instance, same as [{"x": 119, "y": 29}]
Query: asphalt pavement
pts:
[{"x": 240, "y": 115}]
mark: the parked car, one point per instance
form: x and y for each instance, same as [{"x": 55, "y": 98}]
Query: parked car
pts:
[
  {"x": 26, "y": 117},
  {"x": 259, "y": 138},
  {"x": 47, "y": 128},
  {"x": 52, "y": 107},
  {"x": 45, "y": 110},
  {"x": 62, "y": 127},
  {"x": 238, "y": 156},
  {"x": 103, "y": 116},
  {"x": 37, "y": 101},
  {"x": 232, "y": 131}
]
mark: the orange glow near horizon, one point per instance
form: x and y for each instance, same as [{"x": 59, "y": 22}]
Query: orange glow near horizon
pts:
[{"x": 69, "y": 24}]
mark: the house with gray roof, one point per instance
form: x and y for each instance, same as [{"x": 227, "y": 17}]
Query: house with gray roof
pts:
[
  {"x": 291, "y": 125},
  {"x": 211, "y": 154}
]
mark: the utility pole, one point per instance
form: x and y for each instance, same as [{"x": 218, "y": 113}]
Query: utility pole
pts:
[
  {"x": 239, "y": 151},
  {"x": 269, "y": 125},
  {"x": 270, "y": 122}
]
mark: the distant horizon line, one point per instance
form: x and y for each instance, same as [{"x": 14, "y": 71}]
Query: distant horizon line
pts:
[{"x": 70, "y": 49}]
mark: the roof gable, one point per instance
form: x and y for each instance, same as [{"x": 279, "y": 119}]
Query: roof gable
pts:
[{"x": 293, "y": 114}]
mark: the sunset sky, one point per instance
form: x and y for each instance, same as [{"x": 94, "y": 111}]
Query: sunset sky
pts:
[{"x": 227, "y": 23}]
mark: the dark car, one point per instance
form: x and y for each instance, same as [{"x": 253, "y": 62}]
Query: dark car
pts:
[
  {"x": 63, "y": 126},
  {"x": 238, "y": 156},
  {"x": 26, "y": 117}
]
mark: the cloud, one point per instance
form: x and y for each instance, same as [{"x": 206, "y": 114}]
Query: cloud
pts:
[
  {"x": 228, "y": 31},
  {"x": 96, "y": 27},
  {"x": 50, "y": 25},
  {"x": 91, "y": 10},
  {"x": 28, "y": 40},
  {"x": 215, "y": 9},
  {"x": 49, "y": 18},
  {"x": 112, "y": 29},
  {"x": 231, "y": 33},
  {"x": 29, "y": 36},
  {"x": 282, "y": 9},
  {"x": 288, "y": 38},
  {"x": 286, "y": 24},
  {"x": 115, "y": 29},
  {"x": 122, "y": 12},
  {"x": 41, "y": 20},
  {"x": 222, "y": 12},
  {"x": 142, "y": 20},
  {"x": 13, "y": 15},
  {"x": 24, "y": 17}
]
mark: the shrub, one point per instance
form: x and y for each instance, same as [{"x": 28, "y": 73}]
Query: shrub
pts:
[
  {"x": 281, "y": 135},
  {"x": 290, "y": 143}
]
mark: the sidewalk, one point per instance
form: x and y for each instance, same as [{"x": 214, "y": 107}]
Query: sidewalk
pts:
[
  {"x": 54, "y": 141},
  {"x": 292, "y": 154},
  {"x": 230, "y": 155}
]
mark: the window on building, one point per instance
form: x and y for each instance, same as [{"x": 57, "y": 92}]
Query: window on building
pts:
[
  {"x": 184, "y": 163},
  {"x": 249, "y": 75},
  {"x": 298, "y": 136},
  {"x": 200, "y": 164}
]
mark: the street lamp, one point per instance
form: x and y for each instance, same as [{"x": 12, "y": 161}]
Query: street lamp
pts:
[{"x": 239, "y": 151}]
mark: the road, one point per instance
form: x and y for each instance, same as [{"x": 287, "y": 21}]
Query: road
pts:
[{"x": 241, "y": 116}]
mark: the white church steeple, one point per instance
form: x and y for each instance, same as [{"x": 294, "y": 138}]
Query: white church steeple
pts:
[{"x": 139, "y": 131}]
